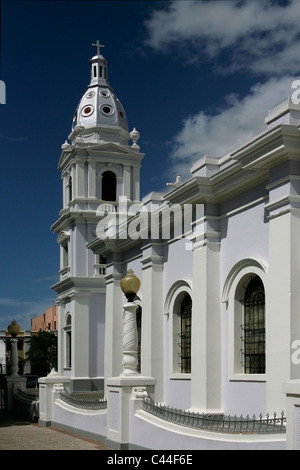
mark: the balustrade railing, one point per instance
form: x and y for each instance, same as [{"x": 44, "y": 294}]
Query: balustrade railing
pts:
[{"x": 217, "y": 422}]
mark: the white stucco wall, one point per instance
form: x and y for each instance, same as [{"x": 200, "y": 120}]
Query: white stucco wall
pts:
[
  {"x": 244, "y": 235},
  {"x": 178, "y": 263},
  {"x": 86, "y": 423}
]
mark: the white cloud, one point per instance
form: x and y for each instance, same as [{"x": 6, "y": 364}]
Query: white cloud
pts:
[
  {"x": 260, "y": 36},
  {"x": 222, "y": 132}
]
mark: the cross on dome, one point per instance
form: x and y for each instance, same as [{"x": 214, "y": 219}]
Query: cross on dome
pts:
[{"x": 98, "y": 45}]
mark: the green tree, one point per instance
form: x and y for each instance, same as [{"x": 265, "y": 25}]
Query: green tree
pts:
[{"x": 42, "y": 353}]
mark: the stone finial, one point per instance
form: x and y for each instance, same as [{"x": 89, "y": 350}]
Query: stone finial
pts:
[{"x": 135, "y": 135}]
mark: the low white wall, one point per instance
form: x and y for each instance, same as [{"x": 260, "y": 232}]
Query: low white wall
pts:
[
  {"x": 89, "y": 423},
  {"x": 146, "y": 431},
  {"x": 150, "y": 432}
]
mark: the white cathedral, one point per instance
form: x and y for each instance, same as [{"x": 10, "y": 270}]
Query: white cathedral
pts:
[{"x": 203, "y": 352}]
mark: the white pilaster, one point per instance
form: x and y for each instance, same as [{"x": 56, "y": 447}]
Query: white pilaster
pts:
[
  {"x": 113, "y": 323},
  {"x": 74, "y": 182},
  {"x": 126, "y": 181},
  {"x": 206, "y": 329},
  {"x": 136, "y": 183},
  {"x": 65, "y": 190},
  {"x": 80, "y": 179},
  {"x": 92, "y": 179},
  {"x": 60, "y": 344},
  {"x": 152, "y": 318},
  {"x": 282, "y": 306},
  {"x": 80, "y": 335}
]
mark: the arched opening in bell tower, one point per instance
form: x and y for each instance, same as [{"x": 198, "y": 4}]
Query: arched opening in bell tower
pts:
[{"x": 109, "y": 186}]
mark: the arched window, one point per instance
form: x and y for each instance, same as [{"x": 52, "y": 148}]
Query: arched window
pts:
[
  {"x": 178, "y": 308},
  {"x": 182, "y": 333},
  {"x": 109, "y": 186},
  {"x": 244, "y": 300},
  {"x": 253, "y": 328}
]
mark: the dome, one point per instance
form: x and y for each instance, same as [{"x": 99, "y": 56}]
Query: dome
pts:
[{"x": 99, "y": 106}]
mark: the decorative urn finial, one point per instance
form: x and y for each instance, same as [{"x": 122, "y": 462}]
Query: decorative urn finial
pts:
[{"x": 14, "y": 329}]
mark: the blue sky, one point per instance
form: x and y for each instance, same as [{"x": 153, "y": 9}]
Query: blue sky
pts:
[{"x": 194, "y": 77}]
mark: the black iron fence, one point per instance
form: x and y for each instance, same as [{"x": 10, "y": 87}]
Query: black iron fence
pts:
[
  {"x": 217, "y": 422},
  {"x": 87, "y": 402}
]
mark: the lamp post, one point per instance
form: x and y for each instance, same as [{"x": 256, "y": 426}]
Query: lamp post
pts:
[
  {"x": 14, "y": 329},
  {"x": 130, "y": 285}
]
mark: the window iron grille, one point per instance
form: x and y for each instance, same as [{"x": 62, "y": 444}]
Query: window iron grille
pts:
[
  {"x": 253, "y": 332},
  {"x": 184, "y": 351}
]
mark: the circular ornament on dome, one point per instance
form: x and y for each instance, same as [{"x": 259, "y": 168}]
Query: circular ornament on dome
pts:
[
  {"x": 105, "y": 94},
  {"x": 90, "y": 94},
  {"x": 87, "y": 110},
  {"x": 107, "y": 110}
]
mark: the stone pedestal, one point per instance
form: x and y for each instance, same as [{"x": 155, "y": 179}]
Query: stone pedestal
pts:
[
  {"x": 120, "y": 391},
  {"x": 14, "y": 383},
  {"x": 129, "y": 384},
  {"x": 14, "y": 358},
  {"x": 49, "y": 388},
  {"x": 292, "y": 391}
]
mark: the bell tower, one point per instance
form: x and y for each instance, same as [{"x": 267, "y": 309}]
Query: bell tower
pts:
[{"x": 100, "y": 166}]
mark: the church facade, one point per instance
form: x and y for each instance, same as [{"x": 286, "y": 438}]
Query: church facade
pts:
[{"x": 214, "y": 326}]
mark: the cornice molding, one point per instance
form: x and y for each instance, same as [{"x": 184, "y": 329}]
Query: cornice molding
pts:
[
  {"x": 275, "y": 146},
  {"x": 245, "y": 167},
  {"x": 82, "y": 285}
]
